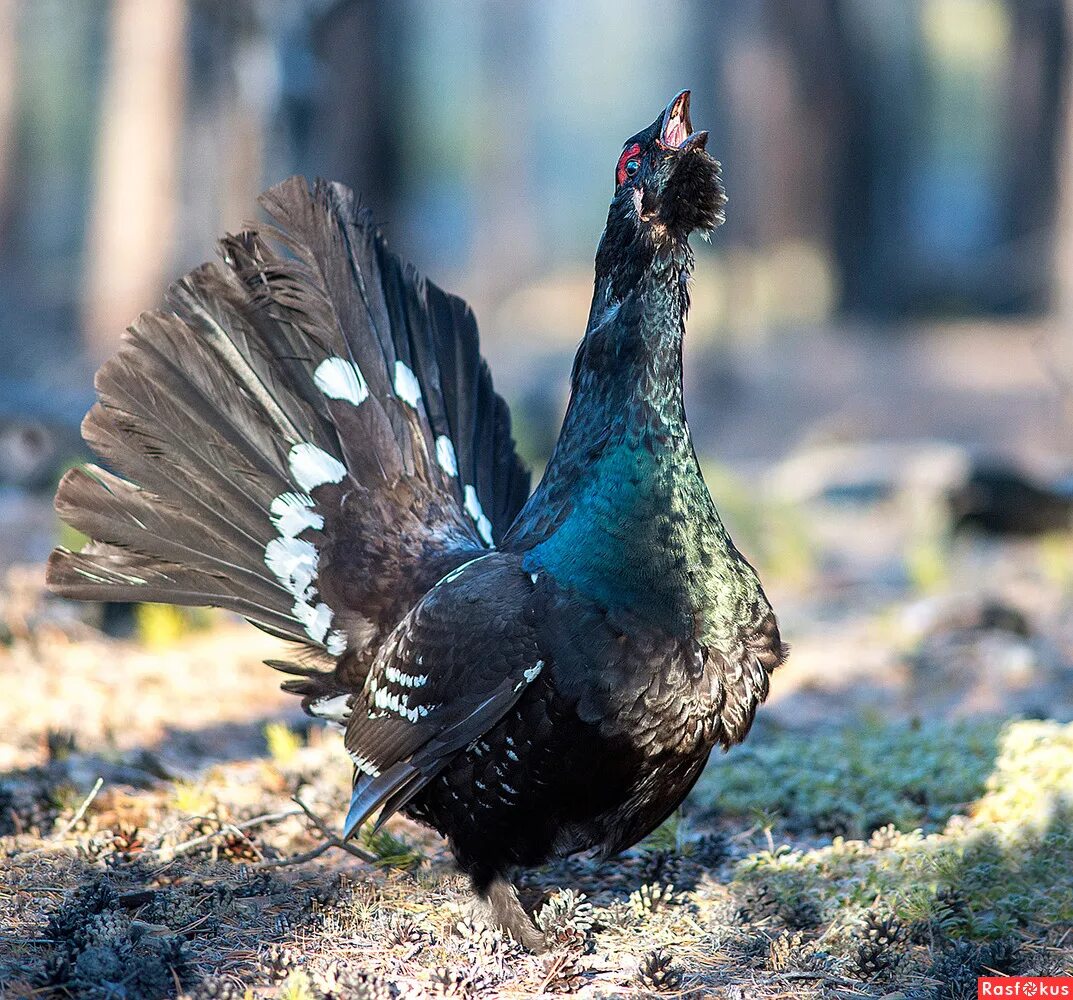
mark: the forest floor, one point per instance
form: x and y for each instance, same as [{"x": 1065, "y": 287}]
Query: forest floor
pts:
[{"x": 899, "y": 822}]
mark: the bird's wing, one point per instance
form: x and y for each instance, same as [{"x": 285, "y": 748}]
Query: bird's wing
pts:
[
  {"x": 448, "y": 673},
  {"x": 308, "y": 437}
]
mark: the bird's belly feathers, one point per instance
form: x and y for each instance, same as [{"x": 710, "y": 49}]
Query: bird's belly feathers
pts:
[{"x": 574, "y": 765}]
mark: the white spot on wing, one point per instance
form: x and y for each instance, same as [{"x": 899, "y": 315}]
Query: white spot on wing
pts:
[
  {"x": 476, "y": 511},
  {"x": 532, "y": 673},
  {"x": 363, "y": 764},
  {"x": 312, "y": 466},
  {"x": 293, "y": 562},
  {"x": 292, "y": 513},
  {"x": 341, "y": 379},
  {"x": 445, "y": 455},
  {"x": 399, "y": 704},
  {"x": 403, "y": 679},
  {"x": 407, "y": 387}
]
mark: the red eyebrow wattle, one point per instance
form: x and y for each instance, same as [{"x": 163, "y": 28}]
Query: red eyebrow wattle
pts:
[{"x": 627, "y": 154}]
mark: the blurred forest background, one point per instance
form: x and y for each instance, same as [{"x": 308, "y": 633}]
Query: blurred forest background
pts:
[{"x": 890, "y": 164}]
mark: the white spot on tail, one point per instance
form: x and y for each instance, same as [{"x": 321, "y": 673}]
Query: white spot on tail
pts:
[
  {"x": 407, "y": 387},
  {"x": 336, "y": 642},
  {"x": 315, "y": 618},
  {"x": 336, "y": 709},
  {"x": 476, "y": 511},
  {"x": 292, "y": 513},
  {"x": 533, "y": 672},
  {"x": 312, "y": 466},
  {"x": 341, "y": 379},
  {"x": 293, "y": 562},
  {"x": 445, "y": 455}
]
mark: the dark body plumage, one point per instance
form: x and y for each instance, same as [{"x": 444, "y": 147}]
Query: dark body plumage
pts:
[{"x": 530, "y": 680}]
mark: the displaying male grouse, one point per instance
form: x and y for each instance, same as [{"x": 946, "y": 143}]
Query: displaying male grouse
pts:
[{"x": 308, "y": 436}]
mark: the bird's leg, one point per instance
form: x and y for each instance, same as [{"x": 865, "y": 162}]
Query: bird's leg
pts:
[{"x": 500, "y": 900}]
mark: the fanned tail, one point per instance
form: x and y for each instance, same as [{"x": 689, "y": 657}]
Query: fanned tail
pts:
[{"x": 308, "y": 436}]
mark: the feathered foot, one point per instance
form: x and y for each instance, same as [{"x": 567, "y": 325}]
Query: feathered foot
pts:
[{"x": 501, "y": 908}]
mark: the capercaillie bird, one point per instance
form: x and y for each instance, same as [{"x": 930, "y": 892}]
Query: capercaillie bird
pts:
[{"x": 309, "y": 437}]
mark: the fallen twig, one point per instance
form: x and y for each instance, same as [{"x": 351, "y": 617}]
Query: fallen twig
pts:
[
  {"x": 331, "y": 840},
  {"x": 81, "y": 811},
  {"x": 196, "y": 842}
]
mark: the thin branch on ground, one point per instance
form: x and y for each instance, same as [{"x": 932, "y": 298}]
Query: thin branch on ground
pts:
[
  {"x": 196, "y": 842},
  {"x": 81, "y": 811},
  {"x": 333, "y": 839}
]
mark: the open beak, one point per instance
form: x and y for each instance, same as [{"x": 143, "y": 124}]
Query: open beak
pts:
[{"x": 677, "y": 130}]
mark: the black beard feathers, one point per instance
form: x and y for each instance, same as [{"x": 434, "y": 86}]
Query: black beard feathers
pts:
[
  {"x": 690, "y": 197},
  {"x": 693, "y": 197}
]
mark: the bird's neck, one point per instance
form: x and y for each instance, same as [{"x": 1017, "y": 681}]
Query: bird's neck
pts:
[
  {"x": 622, "y": 512},
  {"x": 626, "y": 384}
]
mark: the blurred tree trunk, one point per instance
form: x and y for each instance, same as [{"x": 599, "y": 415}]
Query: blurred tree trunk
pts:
[
  {"x": 1062, "y": 278},
  {"x": 9, "y": 46},
  {"x": 355, "y": 127},
  {"x": 1037, "y": 105},
  {"x": 134, "y": 206}
]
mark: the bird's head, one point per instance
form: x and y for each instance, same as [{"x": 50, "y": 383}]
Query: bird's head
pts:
[
  {"x": 666, "y": 180},
  {"x": 666, "y": 186}
]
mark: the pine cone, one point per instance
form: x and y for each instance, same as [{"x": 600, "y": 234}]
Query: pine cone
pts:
[
  {"x": 444, "y": 982},
  {"x": 566, "y": 919},
  {"x": 563, "y": 973},
  {"x": 711, "y": 850},
  {"x": 127, "y": 839},
  {"x": 217, "y": 989},
  {"x": 652, "y": 897},
  {"x": 340, "y": 981},
  {"x": 618, "y": 915},
  {"x": 870, "y": 960},
  {"x": 1003, "y": 956},
  {"x": 882, "y": 930},
  {"x": 759, "y": 903},
  {"x": 107, "y": 927},
  {"x": 658, "y": 972},
  {"x": 951, "y": 908},
  {"x": 278, "y": 962},
  {"x": 406, "y": 932},
  {"x": 239, "y": 848},
  {"x": 785, "y": 950}
]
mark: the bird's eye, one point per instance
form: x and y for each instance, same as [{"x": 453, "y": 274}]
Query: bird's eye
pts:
[{"x": 628, "y": 163}]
